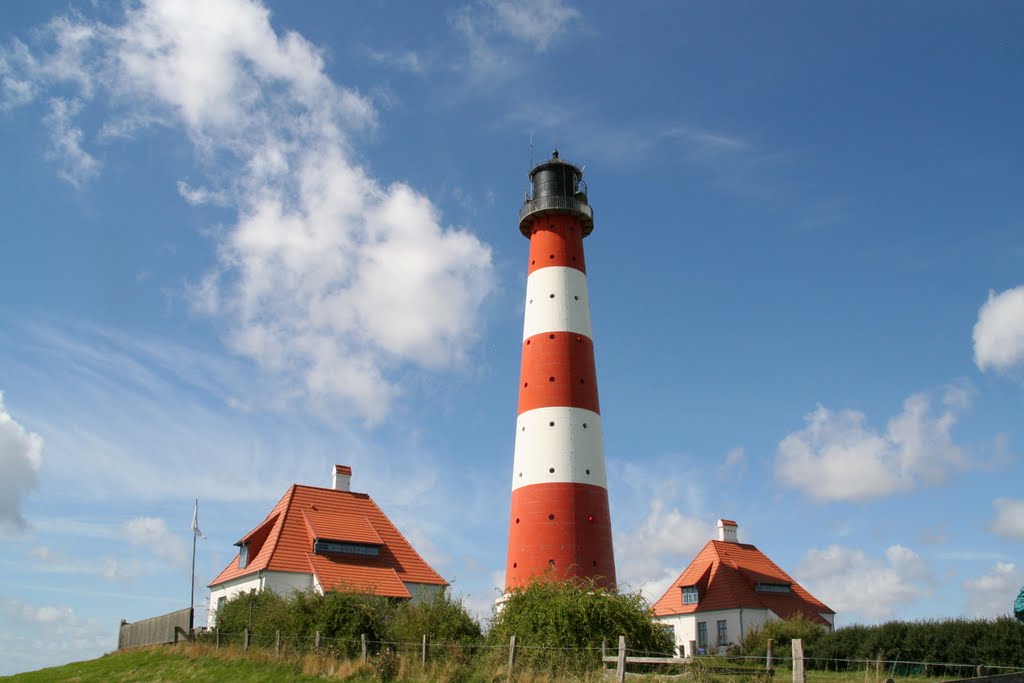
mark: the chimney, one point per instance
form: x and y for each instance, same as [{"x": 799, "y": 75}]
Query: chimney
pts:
[
  {"x": 342, "y": 480},
  {"x": 727, "y": 531}
]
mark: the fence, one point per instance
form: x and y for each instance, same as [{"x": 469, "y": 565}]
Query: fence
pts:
[
  {"x": 728, "y": 669},
  {"x": 165, "y": 628}
]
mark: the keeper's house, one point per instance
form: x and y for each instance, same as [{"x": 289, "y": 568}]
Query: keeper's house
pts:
[
  {"x": 729, "y": 589},
  {"x": 326, "y": 540}
]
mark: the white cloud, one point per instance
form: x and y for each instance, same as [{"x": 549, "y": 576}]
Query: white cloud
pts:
[
  {"x": 330, "y": 278},
  {"x": 734, "y": 463},
  {"x": 992, "y": 594},
  {"x": 999, "y": 332},
  {"x": 837, "y": 456},
  {"x": 537, "y": 22},
  {"x": 404, "y": 60},
  {"x": 75, "y": 164},
  {"x": 855, "y": 585},
  {"x": 653, "y": 553},
  {"x": 48, "y": 634},
  {"x": 20, "y": 459},
  {"x": 152, "y": 534},
  {"x": 1009, "y": 519}
]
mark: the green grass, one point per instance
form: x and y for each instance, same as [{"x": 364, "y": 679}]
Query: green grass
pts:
[{"x": 168, "y": 664}]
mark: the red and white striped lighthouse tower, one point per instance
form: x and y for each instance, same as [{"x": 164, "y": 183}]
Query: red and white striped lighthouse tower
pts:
[{"x": 559, "y": 522}]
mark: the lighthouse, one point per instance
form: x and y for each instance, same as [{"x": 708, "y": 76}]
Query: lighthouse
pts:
[{"x": 559, "y": 525}]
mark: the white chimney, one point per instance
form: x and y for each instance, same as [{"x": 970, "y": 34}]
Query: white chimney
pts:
[
  {"x": 342, "y": 480},
  {"x": 727, "y": 531}
]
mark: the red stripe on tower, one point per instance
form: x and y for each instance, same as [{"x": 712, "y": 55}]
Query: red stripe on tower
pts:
[{"x": 560, "y": 526}]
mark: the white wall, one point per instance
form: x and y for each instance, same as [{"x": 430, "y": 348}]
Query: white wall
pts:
[
  {"x": 279, "y": 582},
  {"x": 422, "y": 592},
  {"x": 685, "y": 625}
]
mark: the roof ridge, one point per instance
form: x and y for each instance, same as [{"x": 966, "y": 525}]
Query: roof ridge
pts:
[{"x": 290, "y": 496}]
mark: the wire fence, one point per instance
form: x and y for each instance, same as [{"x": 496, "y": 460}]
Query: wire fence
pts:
[{"x": 614, "y": 657}]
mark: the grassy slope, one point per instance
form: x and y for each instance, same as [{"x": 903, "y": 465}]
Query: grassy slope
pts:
[{"x": 165, "y": 664}]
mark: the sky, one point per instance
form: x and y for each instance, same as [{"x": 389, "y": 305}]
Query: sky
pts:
[{"x": 241, "y": 243}]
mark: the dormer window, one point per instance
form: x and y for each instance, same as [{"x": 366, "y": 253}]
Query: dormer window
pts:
[
  {"x": 243, "y": 555},
  {"x": 762, "y": 587},
  {"x": 691, "y": 596},
  {"x": 321, "y": 547}
]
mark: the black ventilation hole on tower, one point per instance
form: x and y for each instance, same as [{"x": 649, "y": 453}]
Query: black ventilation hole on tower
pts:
[
  {"x": 573, "y": 258},
  {"x": 595, "y": 563},
  {"x": 527, "y": 342},
  {"x": 588, "y": 472},
  {"x": 522, "y": 429},
  {"x": 526, "y": 384},
  {"x": 584, "y": 425},
  {"x": 551, "y": 470},
  {"x": 551, "y": 379},
  {"x": 551, "y": 563},
  {"x": 582, "y": 381},
  {"x": 576, "y": 297},
  {"x": 531, "y": 301},
  {"x": 551, "y": 296},
  {"x": 517, "y": 520},
  {"x": 551, "y": 257},
  {"x": 533, "y": 263},
  {"x": 551, "y": 336},
  {"x": 551, "y": 424},
  {"x": 551, "y": 517},
  {"x": 520, "y": 475},
  {"x": 551, "y": 227},
  {"x": 514, "y": 565}
]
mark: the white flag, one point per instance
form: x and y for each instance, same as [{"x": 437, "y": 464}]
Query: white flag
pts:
[{"x": 195, "y": 522}]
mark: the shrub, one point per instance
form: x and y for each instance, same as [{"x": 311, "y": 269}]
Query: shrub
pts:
[
  {"x": 559, "y": 625},
  {"x": 755, "y": 642},
  {"x": 444, "y": 618}
]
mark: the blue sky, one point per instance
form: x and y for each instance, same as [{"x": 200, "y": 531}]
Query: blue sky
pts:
[{"x": 242, "y": 243}]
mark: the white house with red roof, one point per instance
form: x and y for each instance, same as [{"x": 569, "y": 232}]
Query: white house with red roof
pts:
[
  {"x": 729, "y": 589},
  {"x": 326, "y": 540}
]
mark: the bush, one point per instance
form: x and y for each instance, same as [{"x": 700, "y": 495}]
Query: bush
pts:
[
  {"x": 560, "y": 625},
  {"x": 444, "y": 618},
  {"x": 755, "y": 642}
]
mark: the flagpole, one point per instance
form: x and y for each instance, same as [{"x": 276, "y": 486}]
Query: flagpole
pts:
[{"x": 192, "y": 599}]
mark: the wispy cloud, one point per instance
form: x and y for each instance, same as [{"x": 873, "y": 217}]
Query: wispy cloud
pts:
[
  {"x": 400, "y": 60},
  {"x": 329, "y": 278},
  {"x": 1009, "y": 520},
  {"x": 991, "y": 595}
]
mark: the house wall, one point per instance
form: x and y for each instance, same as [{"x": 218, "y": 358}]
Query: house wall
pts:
[
  {"x": 279, "y": 582},
  {"x": 685, "y": 625},
  {"x": 422, "y": 592}
]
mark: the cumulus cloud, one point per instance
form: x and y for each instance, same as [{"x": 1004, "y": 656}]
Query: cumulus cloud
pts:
[
  {"x": 852, "y": 583},
  {"x": 1009, "y": 519},
  {"x": 152, "y": 533},
  {"x": 20, "y": 459},
  {"x": 330, "y": 277},
  {"x": 837, "y": 456},
  {"x": 999, "y": 332},
  {"x": 651, "y": 555},
  {"x": 992, "y": 594}
]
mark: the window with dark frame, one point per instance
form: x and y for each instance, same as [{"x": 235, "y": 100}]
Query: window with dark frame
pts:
[
  {"x": 723, "y": 632},
  {"x": 321, "y": 547},
  {"x": 690, "y": 595},
  {"x": 243, "y": 555},
  {"x": 702, "y": 634}
]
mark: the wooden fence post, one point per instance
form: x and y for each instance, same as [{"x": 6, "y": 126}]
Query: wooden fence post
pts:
[
  {"x": 216, "y": 640},
  {"x": 247, "y": 634},
  {"x": 511, "y": 654},
  {"x": 620, "y": 673},
  {"x": 798, "y": 661},
  {"x": 693, "y": 648},
  {"x": 277, "y": 642},
  {"x": 362, "y": 646},
  {"x": 316, "y": 642},
  {"x": 604, "y": 653},
  {"x": 770, "y": 660},
  {"x": 426, "y": 647}
]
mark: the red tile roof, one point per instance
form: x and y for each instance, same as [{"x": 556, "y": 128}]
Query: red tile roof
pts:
[
  {"x": 284, "y": 542},
  {"x": 726, "y": 575}
]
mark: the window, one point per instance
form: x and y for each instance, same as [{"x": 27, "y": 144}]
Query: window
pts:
[
  {"x": 243, "y": 555},
  {"x": 723, "y": 633},
  {"x": 220, "y": 601},
  {"x": 690, "y": 595},
  {"x": 702, "y": 635},
  {"x": 321, "y": 547},
  {"x": 772, "y": 587}
]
